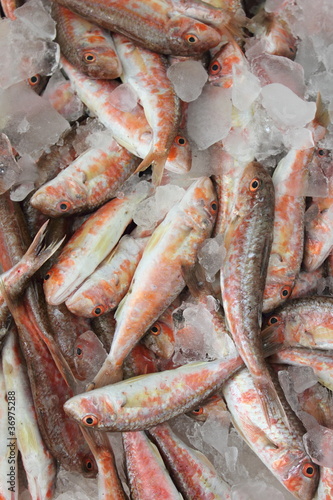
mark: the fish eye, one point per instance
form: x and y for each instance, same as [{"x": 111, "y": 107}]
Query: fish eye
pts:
[
  {"x": 272, "y": 320},
  {"x": 308, "y": 469},
  {"x": 254, "y": 185},
  {"x": 155, "y": 329},
  {"x": 213, "y": 207},
  {"x": 47, "y": 276},
  {"x": 89, "y": 464},
  {"x": 285, "y": 292},
  {"x": 64, "y": 206},
  {"x": 322, "y": 152},
  {"x": 180, "y": 140},
  {"x": 191, "y": 39},
  {"x": 98, "y": 310},
  {"x": 89, "y": 57},
  {"x": 90, "y": 420},
  {"x": 214, "y": 68},
  {"x": 79, "y": 352},
  {"x": 198, "y": 411},
  {"x": 34, "y": 80}
]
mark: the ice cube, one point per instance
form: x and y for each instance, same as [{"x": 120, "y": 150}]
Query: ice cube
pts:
[
  {"x": 210, "y": 257},
  {"x": 270, "y": 68},
  {"x": 245, "y": 89},
  {"x": 73, "y": 486},
  {"x": 20, "y": 103},
  {"x": 37, "y": 18},
  {"x": 188, "y": 79},
  {"x": 298, "y": 138},
  {"x": 59, "y": 93},
  {"x": 25, "y": 182},
  {"x": 285, "y": 107},
  {"x": 215, "y": 431},
  {"x": 321, "y": 82},
  {"x": 273, "y": 5},
  {"x": 255, "y": 490},
  {"x": 288, "y": 389},
  {"x": 209, "y": 117},
  {"x": 306, "y": 56},
  {"x": 124, "y": 97},
  {"x": 318, "y": 442},
  {"x": 302, "y": 377},
  {"x": 152, "y": 210}
]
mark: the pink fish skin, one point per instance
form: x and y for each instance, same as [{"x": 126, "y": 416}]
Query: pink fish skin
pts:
[{"x": 146, "y": 471}]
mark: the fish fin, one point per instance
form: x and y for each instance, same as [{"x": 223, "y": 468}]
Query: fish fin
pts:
[
  {"x": 270, "y": 401},
  {"x": 38, "y": 253},
  {"x": 157, "y": 160},
  {"x": 108, "y": 374},
  {"x": 322, "y": 116}
]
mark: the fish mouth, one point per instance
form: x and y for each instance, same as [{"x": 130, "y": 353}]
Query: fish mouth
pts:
[{"x": 60, "y": 295}]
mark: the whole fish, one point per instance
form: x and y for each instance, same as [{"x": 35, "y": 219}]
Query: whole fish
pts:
[
  {"x": 278, "y": 446},
  {"x": 109, "y": 283},
  {"x": 151, "y": 24},
  {"x": 39, "y": 465},
  {"x": 304, "y": 322},
  {"x": 247, "y": 242},
  {"x": 141, "y": 402},
  {"x": 147, "y": 474},
  {"x": 89, "y": 245},
  {"x": 129, "y": 128},
  {"x": 146, "y": 72},
  {"x": 192, "y": 472},
  {"x": 172, "y": 247},
  {"x": 88, "y": 182},
  {"x": 85, "y": 45}
]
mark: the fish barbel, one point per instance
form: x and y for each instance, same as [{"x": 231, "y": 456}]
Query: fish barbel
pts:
[
  {"x": 172, "y": 246},
  {"x": 85, "y": 45},
  {"x": 247, "y": 241},
  {"x": 150, "y": 24}
]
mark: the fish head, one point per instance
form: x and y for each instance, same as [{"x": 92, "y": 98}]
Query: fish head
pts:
[
  {"x": 298, "y": 474},
  {"x": 277, "y": 293},
  {"x": 97, "y": 409},
  {"x": 200, "y": 203},
  {"x": 280, "y": 40},
  {"x": 160, "y": 340},
  {"x": 220, "y": 68},
  {"x": 89, "y": 466},
  {"x": 61, "y": 197},
  {"x": 55, "y": 285},
  {"x": 89, "y": 355},
  {"x": 89, "y": 301},
  {"x": 255, "y": 186},
  {"x": 188, "y": 37},
  {"x": 180, "y": 155},
  {"x": 273, "y": 330},
  {"x": 99, "y": 61}
]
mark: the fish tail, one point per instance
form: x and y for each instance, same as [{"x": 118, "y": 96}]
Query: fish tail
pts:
[
  {"x": 39, "y": 254},
  {"x": 270, "y": 402},
  {"x": 108, "y": 374},
  {"x": 157, "y": 160}
]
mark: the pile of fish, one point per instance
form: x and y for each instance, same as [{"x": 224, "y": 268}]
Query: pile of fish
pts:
[{"x": 166, "y": 249}]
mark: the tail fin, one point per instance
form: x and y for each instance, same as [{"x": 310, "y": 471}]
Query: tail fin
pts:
[
  {"x": 270, "y": 401},
  {"x": 108, "y": 374},
  {"x": 157, "y": 160},
  {"x": 39, "y": 254}
]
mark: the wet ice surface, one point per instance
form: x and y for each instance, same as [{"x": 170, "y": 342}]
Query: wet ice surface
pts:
[
  {"x": 26, "y": 44},
  {"x": 60, "y": 95},
  {"x": 210, "y": 257},
  {"x": 188, "y": 79},
  {"x": 30, "y": 122},
  {"x": 245, "y": 89},
  {"x": 209, "y": 117},
  {"x": 318, "y": 442}
]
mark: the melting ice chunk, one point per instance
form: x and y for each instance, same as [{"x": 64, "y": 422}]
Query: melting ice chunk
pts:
[
  {"x": 245, "y": 89},
  {"x": 124, "y": 97},
  {"x": 36, "y": 17},
  {"x": 285, "y": 107},
  {"x": 210, "y": 257},
  {"x": 42, "y": 124},
  {"x": 302, "y": 377},
  {"x": 188, "y": 79},
  {"x": 255, "y": 490},
  {"x": 298, "y": 138},
  {"x": 209, "y": 117},
  {"x": 270, "y": 68},
  {"x": 60, "y": 95}
]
